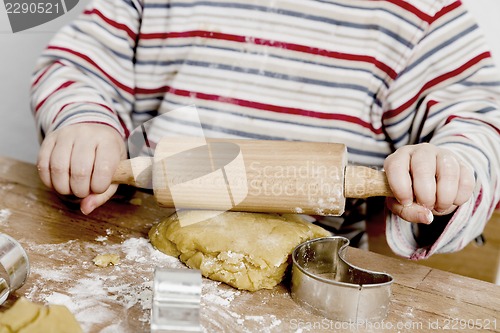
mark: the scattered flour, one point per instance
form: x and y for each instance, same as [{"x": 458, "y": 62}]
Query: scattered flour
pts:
[
  {"x": 5, "y": 213},
  {"x": 213, "y": 295},
  {"x": 93, "y": 296},
  {"x": 101, "y": 238},
  {"x": 6, "y": 187}
]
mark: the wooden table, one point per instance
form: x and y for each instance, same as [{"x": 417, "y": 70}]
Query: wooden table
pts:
[{"x": 61, "y": 243}]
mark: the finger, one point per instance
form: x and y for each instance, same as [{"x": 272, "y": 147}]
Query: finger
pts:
[
  {"x": 106, "y": 162},
  {"x": 90, "y": 203},
  {"x": 60, "y": 166},
  {"x": 82, "y": 165},
  {"x": 450, "y": 210},
  {"x": 43, "y": 161},
  {"x": 466, "y": 184},
  {"x": 447, "y": 179},
  {"x": 423, "y": 173},
  {"x": 397, "y": 169},
  {"x": 412, "y": 213}
]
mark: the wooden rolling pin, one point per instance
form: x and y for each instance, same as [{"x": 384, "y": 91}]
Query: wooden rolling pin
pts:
[{"x": 252, "y": 175}]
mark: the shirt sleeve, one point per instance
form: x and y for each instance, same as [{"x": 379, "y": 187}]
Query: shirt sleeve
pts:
[
  {"x": 448, "y": 94},
  {"x": 86, "y": 73}
]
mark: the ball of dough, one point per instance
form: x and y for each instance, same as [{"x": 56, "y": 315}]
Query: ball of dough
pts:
[{"x": 245, "y": 250}]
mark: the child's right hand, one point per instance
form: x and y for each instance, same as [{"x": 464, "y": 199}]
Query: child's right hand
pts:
[{"x": 80, "y": 159}]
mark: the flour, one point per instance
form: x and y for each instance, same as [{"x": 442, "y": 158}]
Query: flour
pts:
[
  {"x": 93, "y": 296},
  {"x": 7, "y": 187},
  {"x": 101, "y": 238},
  {"x": 4, "y": 215},
  {"x": 50, "y": 274}
]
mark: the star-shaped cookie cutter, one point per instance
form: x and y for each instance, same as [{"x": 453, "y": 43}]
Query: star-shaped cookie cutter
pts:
[{"x": 324, "y": 283}]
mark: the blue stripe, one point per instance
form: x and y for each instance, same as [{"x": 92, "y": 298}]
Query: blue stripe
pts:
[
  {"x": 281, "y": 76},
  {"x": 73, "y": 114},
  {"x": 470, "y": 146},
  {"x": 360, "y": 152},
  {"x": 438, "y": 48},
  {"x": 179, "y": 62},
  {"x": 380, "y": 9},
  {"x": 226, "y": 130},
  {"x": 117, "y": 54},
  {"x": 86, "y": 70},
  {"x": 266, "y": 9},
  {"x": 480, "y": 84},
  {"x": 268, "y": 137},
  {"x": 482, "y": 110},
  {"x": 404, "y": 135},
  {"x": 284, "y": 122},
  {"x": 397, "y": 140}
]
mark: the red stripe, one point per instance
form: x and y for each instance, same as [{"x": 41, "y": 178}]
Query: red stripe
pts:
[
  {"x": 90, "y": 61},
  {"x": 45, "y": 72},
  {"x": 80, "y": 102},
  {"x": 412, "y": 9},
  {"x": 62, "y": 86},
  {"x": 424, "y": 16},
  {"x": 446, "y": 10},
  {"x": 478, "y": 201},
  {"x": 271, "y": 43},
  {"x": 112, "y": 23},
  {"x": 125, "y": 129},
  {"x": 434, "y": 82},
  {"x": 262, "y": 106},
  {"x": 450, "y": 118},
  {"x": 431, "y": 103},
  {"x": 104, "y": 123}
]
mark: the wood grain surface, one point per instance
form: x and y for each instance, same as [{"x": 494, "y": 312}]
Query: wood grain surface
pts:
[{"x": 61, "y": 243}]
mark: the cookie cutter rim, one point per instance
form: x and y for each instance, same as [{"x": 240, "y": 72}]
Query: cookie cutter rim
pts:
[
  {"x": 15, "y": 263},
  {"x": 176, "y": 300},
  {"x": 354, "y": 294}
]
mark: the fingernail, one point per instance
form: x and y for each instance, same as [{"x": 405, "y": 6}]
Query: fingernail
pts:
[
  {"x": 430, "y": 216},
  {"x": 426, "y": 218},
  {"x": 88, "y": 210}
]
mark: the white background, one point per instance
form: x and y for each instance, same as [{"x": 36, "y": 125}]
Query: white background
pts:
[{"x": 19, "y": 51}]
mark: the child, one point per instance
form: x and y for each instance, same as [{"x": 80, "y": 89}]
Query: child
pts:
[{"x": 407, "y": 85}]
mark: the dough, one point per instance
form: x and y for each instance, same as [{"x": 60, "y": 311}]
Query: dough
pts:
[
  {"x": 245, "y": 250},
  {"x": 104, "y": 260},
  {"x": 27, "y": 317}
]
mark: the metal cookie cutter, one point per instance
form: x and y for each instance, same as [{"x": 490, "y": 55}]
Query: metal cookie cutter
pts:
[
  {"x": 326, "y": 284},
  {"x": 176, "y": 301},
  {"x": 15, "y": 266}
]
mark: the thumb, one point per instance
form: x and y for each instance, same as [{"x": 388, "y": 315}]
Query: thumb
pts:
[
  {"x": 94, "y": 200},
  {"x": 412, "y": 213}
]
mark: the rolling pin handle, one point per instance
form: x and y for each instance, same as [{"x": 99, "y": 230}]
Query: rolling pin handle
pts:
[
  {"x": 364, "y": 182},
  {"x": 135, "y": 172}
]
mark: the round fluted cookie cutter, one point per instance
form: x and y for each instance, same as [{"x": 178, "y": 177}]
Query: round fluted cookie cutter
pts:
[
  {"x": 15, "y": 266},
  {"x": 326, "y": 284}
]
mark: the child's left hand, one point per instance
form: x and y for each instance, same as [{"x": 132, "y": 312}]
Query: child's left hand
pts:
[{"x": 427, "y": 180}]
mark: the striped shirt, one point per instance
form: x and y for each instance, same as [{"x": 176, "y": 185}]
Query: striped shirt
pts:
[{"x": 375, "y": 75}]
